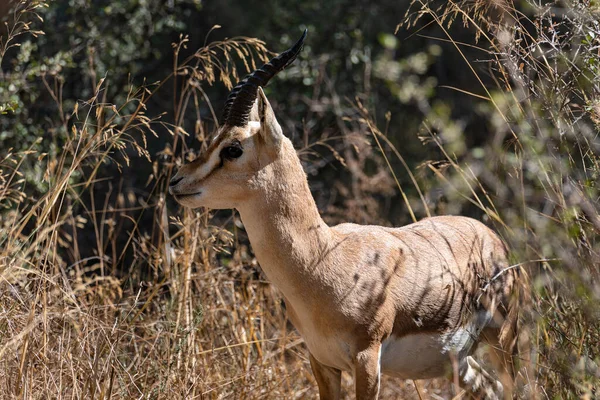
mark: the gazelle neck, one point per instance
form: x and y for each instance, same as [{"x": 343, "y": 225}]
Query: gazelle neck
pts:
[{"x": 284, "y": 226}]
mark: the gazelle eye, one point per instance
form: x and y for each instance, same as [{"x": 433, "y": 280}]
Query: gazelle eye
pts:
[{"x": 231, "y": 152}]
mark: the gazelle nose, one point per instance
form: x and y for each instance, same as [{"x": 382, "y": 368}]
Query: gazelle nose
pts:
[{"x": 175, "y": 180}]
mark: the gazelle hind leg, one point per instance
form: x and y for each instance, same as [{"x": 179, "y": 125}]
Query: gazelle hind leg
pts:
[
  {"x": 475, "y": 380},
  {"x": 503, "y": 359}
]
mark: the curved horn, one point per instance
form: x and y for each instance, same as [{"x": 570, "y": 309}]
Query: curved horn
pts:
[{"x": 242, "y": 96}]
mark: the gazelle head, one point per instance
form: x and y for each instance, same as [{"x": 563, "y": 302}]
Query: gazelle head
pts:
[{"x": 249, "y": 140}]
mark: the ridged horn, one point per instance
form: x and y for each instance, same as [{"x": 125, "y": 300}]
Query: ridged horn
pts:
[{"x": 241, "y": 98}]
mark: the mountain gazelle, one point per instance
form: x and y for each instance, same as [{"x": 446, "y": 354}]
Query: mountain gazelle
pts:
[{"x": 411, "y": 302}]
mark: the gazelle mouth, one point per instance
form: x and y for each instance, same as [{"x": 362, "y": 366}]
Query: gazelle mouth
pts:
[{"x": 179, "y": 196}]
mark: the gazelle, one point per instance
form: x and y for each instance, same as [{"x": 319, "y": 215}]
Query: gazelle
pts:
[{"x": 412, "y": 302}]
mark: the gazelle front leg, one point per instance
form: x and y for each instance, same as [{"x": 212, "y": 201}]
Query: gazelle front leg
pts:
[
  {"x": 367, "y": 371},
  {"x": 329, "y": 380}
]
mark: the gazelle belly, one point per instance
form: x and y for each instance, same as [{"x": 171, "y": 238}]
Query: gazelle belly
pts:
[
  {"x": 430, "y": 354},
  {"x": 417, "y": 356}
]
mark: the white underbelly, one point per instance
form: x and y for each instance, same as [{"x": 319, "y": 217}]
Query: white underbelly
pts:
[
  {"x": 429, "y": 355},
  {"x": 419, "y": 356}
]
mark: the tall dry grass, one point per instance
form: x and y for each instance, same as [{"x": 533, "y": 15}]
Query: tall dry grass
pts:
[{"x": 179, "y": 309}]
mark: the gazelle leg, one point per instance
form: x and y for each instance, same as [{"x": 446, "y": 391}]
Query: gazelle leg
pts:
[
  {"x": 367, "y": 373},
  {"x": 328, "y": 379},
  {"x": 475, "y": 380},
  {"x": 503, "y": 360}
]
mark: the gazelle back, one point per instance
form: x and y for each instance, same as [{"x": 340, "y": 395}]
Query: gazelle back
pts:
[{"x": 366, "y": 299}]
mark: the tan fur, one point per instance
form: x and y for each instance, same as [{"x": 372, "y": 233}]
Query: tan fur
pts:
[{"x": 355, "y": 292}]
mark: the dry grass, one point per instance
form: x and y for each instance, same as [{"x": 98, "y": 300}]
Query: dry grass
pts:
[{"x": 181, "y": 311}]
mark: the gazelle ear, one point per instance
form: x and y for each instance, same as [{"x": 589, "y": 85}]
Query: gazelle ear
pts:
[
  {"x": 254, "y": 115},
  {"x": 270, "y": 130}
]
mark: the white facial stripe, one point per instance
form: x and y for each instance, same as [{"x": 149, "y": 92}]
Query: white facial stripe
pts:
[
  {"x": 209, "y": 165},
  {"x": 214, "y": 159}
]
